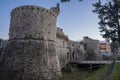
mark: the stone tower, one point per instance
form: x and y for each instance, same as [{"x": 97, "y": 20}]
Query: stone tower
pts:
[{"x": 31, "y": 51}]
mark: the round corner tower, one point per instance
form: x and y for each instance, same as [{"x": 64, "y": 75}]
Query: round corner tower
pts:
[
  {"x": 33, "y": 22},
  {"x": 31, "y": 51}
]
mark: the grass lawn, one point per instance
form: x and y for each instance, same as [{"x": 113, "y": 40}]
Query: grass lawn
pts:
[
  {"x": 99, "y": 74},
  {"x": 86, "y": 74},
  {"x": 116, "y": 75},
  {"x": 79, "y": 75}
]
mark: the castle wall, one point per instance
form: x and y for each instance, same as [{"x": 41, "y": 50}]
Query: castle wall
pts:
[
  {"x": 1, "y": 47},
  {"x": 31, "y": 51},
  {"x": 32, "y": 22},
  {"x": 92, "y": 49},
  {"x": 62, "y": 50},
  {"x": 37, "y": 50},
  {"x": 76, "y": 51},
  {"x": 68, "y": 50},
  {"x": 3, "y": 44}
]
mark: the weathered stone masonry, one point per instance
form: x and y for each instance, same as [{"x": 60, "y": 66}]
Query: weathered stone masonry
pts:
[
  {"x": 37, "y": 50},
  {"x": 31, "y": 50}
]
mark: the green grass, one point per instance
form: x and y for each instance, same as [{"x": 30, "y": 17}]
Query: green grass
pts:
[
  {"x": 86, "y": 75},
  {"x": 74, "y": 75},
  {"x": 118, "y": 58},
  {"x": 116, "y": 75},
  {"x": 99, "y": 74}
]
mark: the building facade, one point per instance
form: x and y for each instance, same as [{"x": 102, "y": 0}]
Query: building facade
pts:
[{"x": 105, "y": 48}]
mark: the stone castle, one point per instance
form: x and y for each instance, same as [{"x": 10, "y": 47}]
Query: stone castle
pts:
[
  {"x": 31, "y": 50},
  {"x": 37, "y": 49}
]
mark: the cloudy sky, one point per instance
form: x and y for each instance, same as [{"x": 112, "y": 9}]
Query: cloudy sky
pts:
[{"x": 75, "y": 18}]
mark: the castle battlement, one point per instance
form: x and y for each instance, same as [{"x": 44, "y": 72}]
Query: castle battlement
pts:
[
  {"x": 53, "y": 11},
  {"x": 60, "y": 34},
  {"x": 31, "y": 21}
]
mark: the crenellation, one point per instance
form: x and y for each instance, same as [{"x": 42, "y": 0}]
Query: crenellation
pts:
[
  {"x": 60, "y": 34},
  {"x": 35, "y": 8}
]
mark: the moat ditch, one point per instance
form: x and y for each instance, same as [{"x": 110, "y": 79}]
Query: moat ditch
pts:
[{"x": 86, "y": 72}]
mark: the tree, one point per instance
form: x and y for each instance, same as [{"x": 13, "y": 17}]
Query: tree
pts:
[
  {"x": 67, "y": 0},
  {"x": 109, "y": 15}
]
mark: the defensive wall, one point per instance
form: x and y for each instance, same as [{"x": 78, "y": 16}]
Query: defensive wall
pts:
[
  {"x": 30, "y": 53},
  {"x": 76, "y": 51},
  {"x": 37, "y": 49}
]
